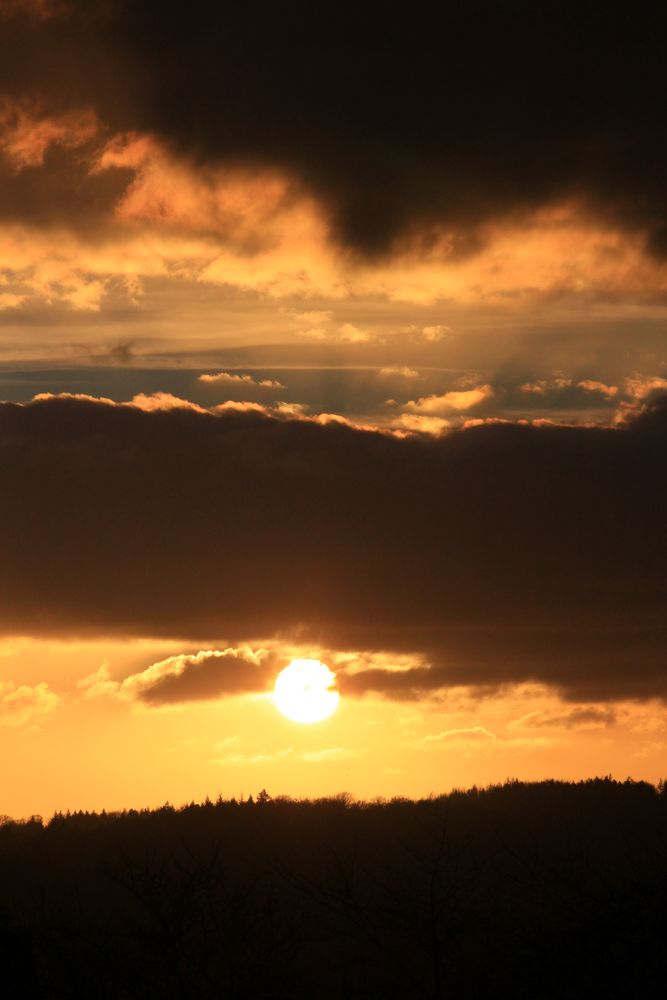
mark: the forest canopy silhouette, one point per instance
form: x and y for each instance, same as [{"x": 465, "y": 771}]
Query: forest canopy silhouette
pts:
[{"x": 538, "y": 890}]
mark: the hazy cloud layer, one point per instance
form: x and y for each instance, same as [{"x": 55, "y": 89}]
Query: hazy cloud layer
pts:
[
  {"x": 102, "y": 229},
  {"x": 499, "y": 553},
  {"x": 471, "y": 186}
]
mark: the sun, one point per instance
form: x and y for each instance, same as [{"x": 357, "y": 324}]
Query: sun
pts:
[{"x": 305, "y": 691}]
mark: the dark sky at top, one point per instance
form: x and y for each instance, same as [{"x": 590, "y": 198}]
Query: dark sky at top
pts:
[{"x": 398, "y": 116}]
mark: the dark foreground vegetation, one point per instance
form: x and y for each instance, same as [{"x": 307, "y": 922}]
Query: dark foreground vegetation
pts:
[{"x": 546, "y": 890}]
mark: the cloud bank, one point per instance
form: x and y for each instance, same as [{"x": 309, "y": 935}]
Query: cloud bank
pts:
[{"x": 498, "y": 553}]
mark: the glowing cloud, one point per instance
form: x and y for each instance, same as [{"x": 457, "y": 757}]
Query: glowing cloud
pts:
[{"x": 450, "y": 402}]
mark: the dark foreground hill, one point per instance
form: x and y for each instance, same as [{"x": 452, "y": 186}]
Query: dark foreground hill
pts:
[{"x": 533, "y": 891}]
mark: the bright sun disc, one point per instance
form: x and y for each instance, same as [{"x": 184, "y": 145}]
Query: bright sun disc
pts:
[{"x": 305, "y": 691}]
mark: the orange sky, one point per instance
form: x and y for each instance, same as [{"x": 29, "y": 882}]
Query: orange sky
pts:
[{"x": 402, "y": 339}]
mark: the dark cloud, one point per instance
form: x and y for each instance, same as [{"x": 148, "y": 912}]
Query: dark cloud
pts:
[
  {"x": 40, "y": 9},
  {"x": 501, "y": 553},
  {"x": 202, "y": 676},
  {"x": 582, "y": 717},
  {"x": 396, "y": 117},
  {"x": 60, "y": 192}
]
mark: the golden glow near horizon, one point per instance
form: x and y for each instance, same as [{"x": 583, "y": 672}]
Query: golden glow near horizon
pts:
[
  {"x": 305, "y": 691},
  {"x": 76, "y": 741}
]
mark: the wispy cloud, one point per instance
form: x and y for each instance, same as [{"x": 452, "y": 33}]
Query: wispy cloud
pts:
[{"x": 23, "y": 706}]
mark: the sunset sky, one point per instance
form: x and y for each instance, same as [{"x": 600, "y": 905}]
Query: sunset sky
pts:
[{"x": 334, "y": 332}]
